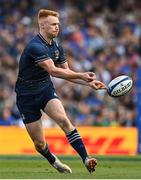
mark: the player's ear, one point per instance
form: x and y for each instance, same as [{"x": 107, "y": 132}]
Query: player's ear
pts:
[{"x": 41, "y": 23}]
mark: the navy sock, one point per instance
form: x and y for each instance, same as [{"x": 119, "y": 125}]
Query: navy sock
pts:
[
  {"x": 47, "y": 154},
  {"x": 77, "y": 143}
]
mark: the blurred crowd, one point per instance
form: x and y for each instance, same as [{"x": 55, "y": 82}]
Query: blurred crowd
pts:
[{"x": 102, "y": 36}]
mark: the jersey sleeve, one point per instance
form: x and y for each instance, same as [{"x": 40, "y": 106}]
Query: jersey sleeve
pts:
[
  {"x": 62, "y": 58},
  {"x": 38, "y": 52}
]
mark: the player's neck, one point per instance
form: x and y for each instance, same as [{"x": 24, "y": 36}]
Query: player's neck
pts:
[{"x": 49, "y": 40}]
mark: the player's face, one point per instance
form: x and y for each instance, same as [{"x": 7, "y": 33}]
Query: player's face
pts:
[{"x": 52, "y": 26}]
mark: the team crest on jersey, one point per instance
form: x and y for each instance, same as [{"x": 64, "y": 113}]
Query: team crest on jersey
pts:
[{"x": 56, "y": 54}]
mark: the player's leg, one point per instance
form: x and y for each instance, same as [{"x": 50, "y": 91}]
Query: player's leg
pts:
[
  {"x": 35, "y": 131},
  {"x": 31, "y": 115},
  {"x": 28, "y": 106},
  {"x": 55, "y": 110}
]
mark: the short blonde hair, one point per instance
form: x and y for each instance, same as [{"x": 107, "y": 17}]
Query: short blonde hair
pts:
[{"x": 45, "y": 13}]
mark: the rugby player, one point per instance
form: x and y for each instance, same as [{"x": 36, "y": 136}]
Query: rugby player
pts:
[{"x": 42, "y": 58}]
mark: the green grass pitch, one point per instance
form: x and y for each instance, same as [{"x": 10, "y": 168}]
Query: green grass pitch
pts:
[{"x": 36, "y": 167}]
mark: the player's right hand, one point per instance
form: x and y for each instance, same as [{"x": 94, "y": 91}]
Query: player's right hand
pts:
[{"x": 88, "y": 76}]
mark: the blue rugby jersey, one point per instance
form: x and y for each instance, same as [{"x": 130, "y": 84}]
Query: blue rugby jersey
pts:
[{"x": 32, "y": 78}]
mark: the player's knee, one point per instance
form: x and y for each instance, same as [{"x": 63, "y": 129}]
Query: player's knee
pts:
[{"x": 39, "y": 145}]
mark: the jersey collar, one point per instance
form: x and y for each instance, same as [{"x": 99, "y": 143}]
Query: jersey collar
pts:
[{"x": 43, "y": 39}]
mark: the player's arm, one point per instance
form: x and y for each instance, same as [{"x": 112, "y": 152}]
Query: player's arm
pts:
[
  {"x": 95, "y": 84},
  {"x": 65, "y": 73},
  {"x": 40, "y": 56},
  {"x": 77, "y": 81}
]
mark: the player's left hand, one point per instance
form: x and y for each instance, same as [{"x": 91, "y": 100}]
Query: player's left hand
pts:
[{"x": 97, "y": 85}]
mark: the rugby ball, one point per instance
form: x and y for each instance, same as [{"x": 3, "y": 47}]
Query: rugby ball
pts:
[{"x": 119, "y": 86}]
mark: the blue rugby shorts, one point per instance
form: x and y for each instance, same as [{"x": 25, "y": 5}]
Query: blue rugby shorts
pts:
[{"x": 30, "y": 105}]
